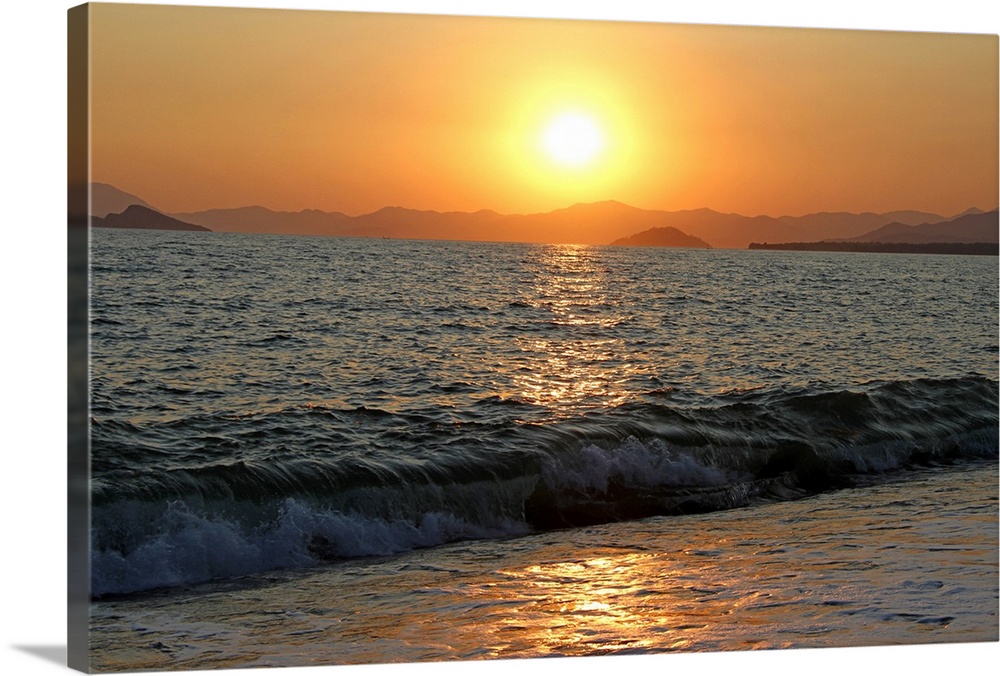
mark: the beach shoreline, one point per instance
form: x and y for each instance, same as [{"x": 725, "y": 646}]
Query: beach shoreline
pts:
[{"x": 911, "y": 561}]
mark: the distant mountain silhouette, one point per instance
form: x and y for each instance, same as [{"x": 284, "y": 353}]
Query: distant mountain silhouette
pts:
[
  {"x": 422, "y": 224},
  {"x": 587, "y": 223},
  {"x": 973, "y": 226},
  {"x": 662, "y": 237},
  {"x": 260, "y": 220},
  {"x": 729, "y": 231},
  {"x": 144, "y": 218},
  {"x": 106, "y": 199},
  {"x": 593, "y": 223},
  {"x": 973, "y": 210},
  {"x": 954, "y": 248},
  {"x": 844, "y": 225},
  {"x": 590, "y": 223},
  {"x": 913, "y": 217}
]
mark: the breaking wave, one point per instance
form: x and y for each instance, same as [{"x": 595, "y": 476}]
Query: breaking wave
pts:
[{"x": 223, "y": 518}]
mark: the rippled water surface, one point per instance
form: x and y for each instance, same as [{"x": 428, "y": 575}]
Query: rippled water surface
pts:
[
  {"x": 201, "y": 323},
  {"x": 279, "y": 405}
]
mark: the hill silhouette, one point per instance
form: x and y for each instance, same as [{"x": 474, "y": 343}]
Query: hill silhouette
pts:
[
  {"x": 593, "y": 223},
  {"x": 261, "y": 220},
  {"x": 972, "y": 232},
  {"x": 972, "y": 226},
  {"x": 144, "y": 218},
  {"x": 422, "y": 224},
  {"x": 662, "y": 237},
  {"x": 844, "y": 225},
  {"x": 107, "y": 199}
]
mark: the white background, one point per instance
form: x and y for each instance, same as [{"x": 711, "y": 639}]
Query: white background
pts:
[{"x": 33, "y": 327}]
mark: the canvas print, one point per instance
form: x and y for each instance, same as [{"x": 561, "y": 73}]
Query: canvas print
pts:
[{"x": 412, "y": 338}]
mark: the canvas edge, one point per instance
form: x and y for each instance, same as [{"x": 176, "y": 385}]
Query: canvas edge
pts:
[
  {"x": 78, "y": 382},
  {"x": 78, "y": 436}
]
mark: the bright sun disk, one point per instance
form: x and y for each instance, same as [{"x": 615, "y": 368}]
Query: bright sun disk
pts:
[{"x": 572, "y": 139}]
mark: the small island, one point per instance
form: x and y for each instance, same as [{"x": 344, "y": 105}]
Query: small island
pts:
[
  {"x": 144, "y": 218},
  {"x": 665, "y": 237}
]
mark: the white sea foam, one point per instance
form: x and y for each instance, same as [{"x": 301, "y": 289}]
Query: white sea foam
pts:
[
  {"x": 192, "y": 547},
  {"x": 634, "y": 463}
]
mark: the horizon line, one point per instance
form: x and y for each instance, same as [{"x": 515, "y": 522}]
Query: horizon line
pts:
[{"x": 533, "y": 213}]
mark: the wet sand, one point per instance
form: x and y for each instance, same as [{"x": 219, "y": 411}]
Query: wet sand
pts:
[{"x": 908, "y": 562}]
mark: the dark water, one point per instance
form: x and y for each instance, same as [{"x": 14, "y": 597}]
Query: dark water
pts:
[{"x": 264, "y": 402}]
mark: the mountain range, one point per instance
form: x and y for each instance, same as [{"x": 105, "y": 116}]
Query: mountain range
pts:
[
  {"x": 972, "y": 226},
  {"x": 593, "y": 223}
]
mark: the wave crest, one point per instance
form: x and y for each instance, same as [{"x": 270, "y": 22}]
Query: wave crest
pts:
[{"x": 230, "y": 518}]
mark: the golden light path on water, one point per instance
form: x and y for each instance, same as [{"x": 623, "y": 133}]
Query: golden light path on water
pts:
[{"x": 584, "y": 363}]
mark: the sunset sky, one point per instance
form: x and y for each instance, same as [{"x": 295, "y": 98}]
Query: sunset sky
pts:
[{"x": 198, "y": 108}]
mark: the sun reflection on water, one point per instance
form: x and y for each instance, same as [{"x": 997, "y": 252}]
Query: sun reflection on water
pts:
[{"x": 580, "y": 360}]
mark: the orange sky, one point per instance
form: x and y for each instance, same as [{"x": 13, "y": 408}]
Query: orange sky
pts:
[{"x": 196, "y": 108}]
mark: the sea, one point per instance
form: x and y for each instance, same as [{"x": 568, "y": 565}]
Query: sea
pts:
[{"x": 310, "y": 450}]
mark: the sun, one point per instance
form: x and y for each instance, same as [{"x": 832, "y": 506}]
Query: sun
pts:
[
  {"x": 569, "y": 145},
  {"x": 572, "y": 139}
]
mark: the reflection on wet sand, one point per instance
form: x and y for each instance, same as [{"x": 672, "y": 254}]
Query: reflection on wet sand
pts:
[
  {"x": 913, "y": 562},
  {"x": 590, "y": 606}
]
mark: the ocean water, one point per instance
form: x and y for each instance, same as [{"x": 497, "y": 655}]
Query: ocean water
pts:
[{"x": 278, "y": 412}]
